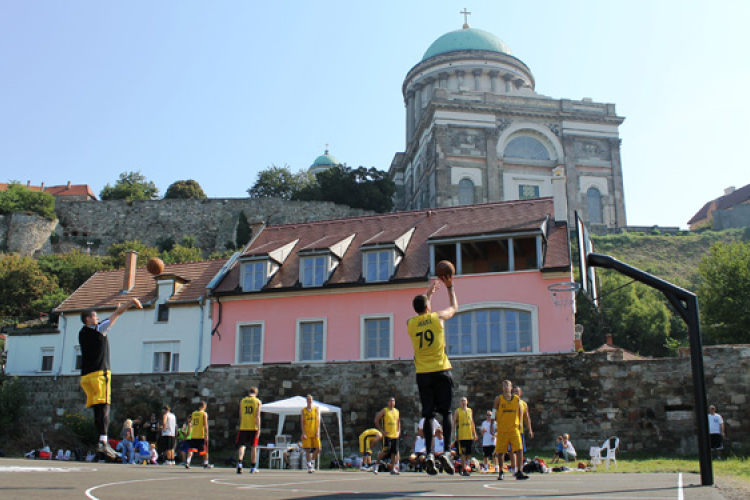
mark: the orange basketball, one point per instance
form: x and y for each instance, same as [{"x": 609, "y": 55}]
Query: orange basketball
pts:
[
  {"x": 445, "y": 268},
  {"x": 155, "y": 266}
]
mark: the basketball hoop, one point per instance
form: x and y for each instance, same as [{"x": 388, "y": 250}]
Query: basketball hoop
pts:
[{"x": 563, "y": 294}]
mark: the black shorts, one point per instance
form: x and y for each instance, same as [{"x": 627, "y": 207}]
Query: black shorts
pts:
[
  {"x": 488, "y": 451},
  {"x": 390, "y": 445},
  {"x": 247, "y": 438},
  {"x": 167, "y": 443},
  {"x": 717, "y": 442},
  {"x": 197, "y": 445},
  {"x": 435, "y": 392},
  {"x": 465, "y": 446}
]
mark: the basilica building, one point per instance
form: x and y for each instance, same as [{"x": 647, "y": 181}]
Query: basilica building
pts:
[{"x": 478, "y": 132}]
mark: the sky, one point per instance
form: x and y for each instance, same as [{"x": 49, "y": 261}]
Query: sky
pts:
[{"x": 219, "y": 90}]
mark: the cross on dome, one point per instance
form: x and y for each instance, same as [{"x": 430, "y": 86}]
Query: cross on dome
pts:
[{"x": 466, "y": 15}]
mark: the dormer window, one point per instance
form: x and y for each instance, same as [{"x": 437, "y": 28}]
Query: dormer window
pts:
[
  {"x": 259, "y": 266},
  {"x": 378, "y": 265},
  {"x": 254, "y": 275},
  {"x": 314, "y": 270}
]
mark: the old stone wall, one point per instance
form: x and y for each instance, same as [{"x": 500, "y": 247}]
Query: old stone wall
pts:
[
  {"x": 212, "y": 222},
  {"x": 648, "y": 403},
  {"x": 26, "y": 233}
]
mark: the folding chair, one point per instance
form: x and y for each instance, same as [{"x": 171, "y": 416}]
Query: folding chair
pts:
[{"x": 607, "y": 452}]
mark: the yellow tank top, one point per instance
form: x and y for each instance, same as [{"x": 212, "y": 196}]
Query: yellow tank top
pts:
[
  {"x": 249, "y": 407},
  {"x": 311, "y": 421},
  {"x": 428, "y": 339},
  {"x": 465, "y": 424},
  {"x": 370, "y": 432},
  {"x": 507, "y": 414},
  {"x": 390, "y": 422},
  {"x": 199, "y": 431},
  {"x": 524, "y": 409}
]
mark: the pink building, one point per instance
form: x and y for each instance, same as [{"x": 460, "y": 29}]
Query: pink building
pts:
[{"x": 342, "y": 290}]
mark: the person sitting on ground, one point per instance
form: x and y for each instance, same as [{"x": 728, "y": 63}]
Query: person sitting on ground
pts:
[
  {"x": 286, "y": 455},
  {"x": 558, "y": 451},
  {"x": 142, "y": 450},
  {"x": 416, "y": 459},
  {"x": 569, "y": 452}
]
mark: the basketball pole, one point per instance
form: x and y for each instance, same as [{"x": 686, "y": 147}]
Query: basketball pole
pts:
[{"x": 686, "y": 305}]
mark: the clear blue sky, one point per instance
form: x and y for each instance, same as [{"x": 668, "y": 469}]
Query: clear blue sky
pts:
[{"x": 217, "y": 91}]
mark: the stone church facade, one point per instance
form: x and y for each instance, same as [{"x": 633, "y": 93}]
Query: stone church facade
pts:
[{"x": 477, "y": 132}]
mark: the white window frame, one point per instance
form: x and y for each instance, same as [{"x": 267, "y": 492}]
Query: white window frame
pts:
[
  {"x": 76, "y": 354},
  {"x": 363, "y": 335},
  {"x": 247, "y": 287},
  {"x": 151, "y": 348},
  {"x": 326, "y": 269},
  {"x": 533, "y": 311},
  {"x": 238, "y": 337},
  {"x": 44, "y": 352},
  {"x": 377, "y": 251},
  {"x": 298, "y": 334}
]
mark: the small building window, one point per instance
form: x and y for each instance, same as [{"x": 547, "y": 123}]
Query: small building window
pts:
[
  {"x": 78, "y": 359},
  {"x": 378, "y": 265},
  {"x": 465, "y": 192},
  {"x": 314, "y": 271},
  {"x": 48, "y": 359},
  {"x": 250, "y": 344},
  {"x": 161, "y": 357},
  {"x": 162, "y": 314},
  {"x": 594, "y": 206},
  {"x": 254, "y": 277},
  {"x": 376, "y": 338},
  {"x": 526, "y": 148},
  {"x": 311, "y": 341},
  {"x": 489, "y": 331},
  {"x": 499, "y": 255}
]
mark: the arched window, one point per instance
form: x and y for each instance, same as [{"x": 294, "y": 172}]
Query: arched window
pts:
[
  {"x": 527, "y": 148},
  {"x": 465, "y": 192},
  {"x": 489, "y": 331},
  {"x": 594, "y": 205}
]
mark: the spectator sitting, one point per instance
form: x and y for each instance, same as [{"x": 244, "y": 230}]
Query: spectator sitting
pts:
[
  {"x": 154, "y": 455},
  {"x": 558, "y": 451},
  {"x": 288, "y": 452},
  {"x": 143, "y": 450},
  {"x": 569, "y": 452},
  {"x": 416, "y": 459}
]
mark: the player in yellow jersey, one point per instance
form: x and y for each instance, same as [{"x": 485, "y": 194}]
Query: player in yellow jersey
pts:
[
  {"x": 366, "y": 440},
  {"x": 388, "y": 421},
  {"x": 508, "y": 417},
  {"x": 198, "y": 430},
  {"x": 525, "y": 423},
  {"x": 249, "y": 429},
  {"x": 434, "y": 379},
  {"x": 310, "y": 423},
  {"x": 466, "y": 434}
]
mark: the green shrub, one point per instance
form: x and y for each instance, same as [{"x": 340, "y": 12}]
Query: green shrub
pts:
[
  {"x": 12, "y": 404},
  {"x": 82, "y": 427}
]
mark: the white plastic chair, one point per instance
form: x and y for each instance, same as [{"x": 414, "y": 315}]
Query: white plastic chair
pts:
[{"x": 607, "y": 452}]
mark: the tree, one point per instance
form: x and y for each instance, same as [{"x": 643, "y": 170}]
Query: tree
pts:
[
  {"x": 24, "y": 287},
  {"x": 724, "y": 293},
  {"x": 185, "y": 190},
  {"x": 130, "y": 186},
  {"x": 279, "y": 182},
  {"x": 368, "y": 189},
  {"x": 19, "y": 198},
  {"x": 116, "y": 253},
  {"x": 73, "y": 268},
  {"x": 181, "y": 253}
]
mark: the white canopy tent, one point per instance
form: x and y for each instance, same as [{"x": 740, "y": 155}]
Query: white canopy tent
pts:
[{"x": 293, "y": 406}]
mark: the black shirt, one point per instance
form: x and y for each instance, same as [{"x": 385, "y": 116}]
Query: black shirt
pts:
[{"x": 94, "y": 348}]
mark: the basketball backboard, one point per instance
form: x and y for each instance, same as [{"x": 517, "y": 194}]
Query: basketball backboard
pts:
[{"x": 587, "y": 278}]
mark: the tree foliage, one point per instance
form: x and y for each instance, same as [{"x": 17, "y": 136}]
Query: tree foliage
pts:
[
  {"x": 24, "y": 287},
  {"x": 365, "y": 188},
  {"x": 73, "y": 268},
  {"x": 19, "y": 198},
  {"x": 12, "y": 404},
  {"x": 130, "y": 186},
  {"x": 185, "y": 190},
  {"x": 279, "y": 182},
  {"x": 244, "y": 231},
  {"x": 724, "y": 293},
  {"x": 117, "y": 252}
]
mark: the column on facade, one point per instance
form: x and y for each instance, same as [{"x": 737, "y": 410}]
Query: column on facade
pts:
[
  {"x": 493, "y": 80},
  {"x": 459, "y": 78},
  {"x": 443, "y": 79},
  {"x": 409, "y": 115},
  {"x": 493, "y": 182},
  {"x": 571, "y": 175},
  {"x": 618, "y": 195},
  {"x": 508, "y": 77},
  {"x": 429, "y": 88},
  {"x": 417, "y": 104},
  {"x": 477, "y": 78}
]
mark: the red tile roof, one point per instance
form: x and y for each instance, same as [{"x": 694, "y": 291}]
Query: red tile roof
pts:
[
  {"x": 102, "y": 290},
  {"x": 429, "y": 225},
  {"x": 72, "y": 190},
  {"x": 736, "y": 197}
]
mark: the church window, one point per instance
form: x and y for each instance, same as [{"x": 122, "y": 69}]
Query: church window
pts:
[
  {"x": 465, "y": 192},
  {"x": 527, "y": 148},
  {"x": 594, "y": 206}
]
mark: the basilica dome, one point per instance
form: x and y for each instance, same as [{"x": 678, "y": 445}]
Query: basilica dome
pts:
[
  {"x": 466, "y": 39},
  {"x": 323, "y": 162}
]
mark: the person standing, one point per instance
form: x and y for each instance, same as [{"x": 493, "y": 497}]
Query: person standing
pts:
[
  {"x": 716, "y": 431},
  {"x": 152, "y": 428},
  {"x": 198, "y": 430},
  {"x": 525, "y": 424},
  {"x": 434, "y": 379},
  {"x": 508, "y": 416},
  {"x": 388, "y": 422},
  {"x": 168, "y": 434},
  {"x": 310, "y": 423},
  {"x": 96, "y": 374},
  {"x": 249, "y": 429},
  {"x": 466, "y": 434},
  {"x": 489, "y": 430}
]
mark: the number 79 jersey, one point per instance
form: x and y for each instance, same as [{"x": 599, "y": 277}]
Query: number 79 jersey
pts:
[{"x": 428, "y": 338}]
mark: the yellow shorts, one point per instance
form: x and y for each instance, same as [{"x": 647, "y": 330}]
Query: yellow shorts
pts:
[
  {"x": 311, "y": 443},
  {"x": 504, "y": 439},
  {"x": 365, "y": 443},
  {"x": 98, "y": 388}
]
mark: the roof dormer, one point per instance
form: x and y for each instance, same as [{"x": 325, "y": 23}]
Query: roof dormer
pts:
[{"x": 319, "y": 259}]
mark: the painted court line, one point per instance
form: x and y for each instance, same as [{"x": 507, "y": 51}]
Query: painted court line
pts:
[
  {"x": 18, "y": 468},
  {"x": 131, "y": 481}
]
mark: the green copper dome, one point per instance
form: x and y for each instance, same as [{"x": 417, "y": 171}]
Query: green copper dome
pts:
[
  {"x": 326, "y": 159},
  {"x": 466, "y": 39}
]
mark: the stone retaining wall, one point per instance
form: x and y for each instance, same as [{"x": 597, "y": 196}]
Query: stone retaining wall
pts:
[{"x": 648, "y": 403}]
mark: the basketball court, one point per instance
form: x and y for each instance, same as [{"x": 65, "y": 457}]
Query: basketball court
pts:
[{"x": 31, "y": 479}]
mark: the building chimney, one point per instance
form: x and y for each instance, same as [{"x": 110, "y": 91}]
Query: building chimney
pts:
[
  {"x": 131, "y": 260},
  {"x": 609, "y": 339},
  {"x": 729, "y": 190},
  {"x": 68, "y": 184},
  {"x": 559, "y": 194},
  {"x": 42, "y": 188},
  {"x": 28, "y": 184}
]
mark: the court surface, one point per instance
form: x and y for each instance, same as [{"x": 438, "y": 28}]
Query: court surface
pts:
[{"x": 33, "y": 479}]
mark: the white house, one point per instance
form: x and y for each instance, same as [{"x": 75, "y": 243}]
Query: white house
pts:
[{"x": 172, "y": 333}]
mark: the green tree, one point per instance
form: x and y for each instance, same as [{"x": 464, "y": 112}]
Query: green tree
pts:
[
  {"x": 73, "y": 268},
  {"x": 368, "y": 189},
  {"x": 181, "y": 253},
  {"x": 724, "y": 293},
  {"x": 130, "y": 186},
  {"x": 116, "y": 253},
  {"x": 279, "y": 182},
  {"x": 185, "y": 190},
  {"x": 24, "y": 286},
  {"x": 12, "y": 405},
  {"x": 19, "y": 198},
  {"x": 244, "y": 231}
]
